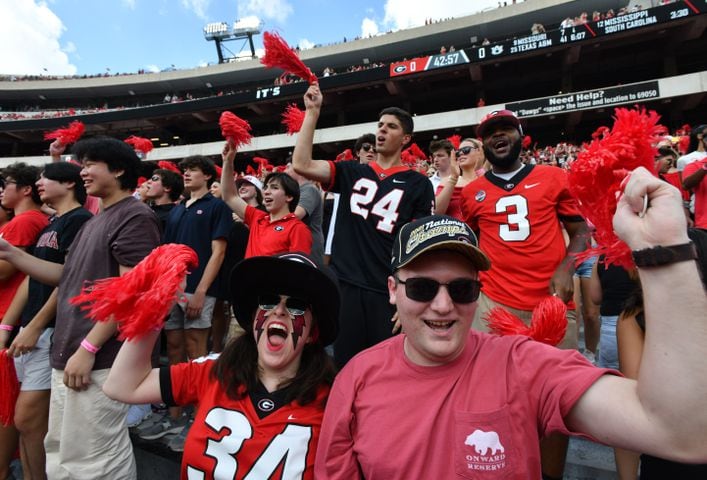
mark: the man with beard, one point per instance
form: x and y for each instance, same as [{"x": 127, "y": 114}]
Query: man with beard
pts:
[{"x": 518, "y": 211}]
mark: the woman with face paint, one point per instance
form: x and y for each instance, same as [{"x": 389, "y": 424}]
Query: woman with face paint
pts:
[{"x": 259, "y": 404}]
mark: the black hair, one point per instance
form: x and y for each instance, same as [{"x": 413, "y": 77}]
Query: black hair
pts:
[
  {"x": 288, "y": 184},
  {"x": 404, "y": 117},
  {"x": 171, "y": 180},
  {"x": 115, "y": 154},
  {"x": 24, "y": 176},
  {"x": 443, "y": 144},
  {"x": 694, "y": 141},
  {"x": 667, "y": 151},
  {"x": 65, "y": 172},
  {"x": 237, "y": 370},
  {"x": 365, "y": 138},
  {"x": 202, "y": 163}
]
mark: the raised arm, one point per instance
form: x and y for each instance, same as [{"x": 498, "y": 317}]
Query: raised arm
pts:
[
  {"x": 443, "y": 198},
  {"x": 662, "y": 413},
  {"x": 132, "y": 378},
  {"x": 302, "y": 162},
  {"x": 229, "y": 194},
  {"x": 41, "y": 270}
]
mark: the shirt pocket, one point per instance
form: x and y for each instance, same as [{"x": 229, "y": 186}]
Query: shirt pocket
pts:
[{"x": 484, "y": 447}]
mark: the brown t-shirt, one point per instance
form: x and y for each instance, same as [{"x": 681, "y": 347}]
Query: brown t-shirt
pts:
[{"x": 122, "y": 234}]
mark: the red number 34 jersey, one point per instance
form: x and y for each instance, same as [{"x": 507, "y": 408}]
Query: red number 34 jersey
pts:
[{"x": 229, "y": 441}]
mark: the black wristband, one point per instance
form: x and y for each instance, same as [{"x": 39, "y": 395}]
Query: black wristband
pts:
[{"x": 657, "y": 256}]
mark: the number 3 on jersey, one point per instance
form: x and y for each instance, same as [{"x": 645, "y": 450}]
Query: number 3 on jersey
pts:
[
  {"x": 386, "y": 208},
  {"x": 517, "y": 227},
  {"x": 288, "y": 448}
]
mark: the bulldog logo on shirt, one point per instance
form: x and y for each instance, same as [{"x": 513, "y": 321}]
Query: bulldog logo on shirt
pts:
[{"x": 279, "y": 228}]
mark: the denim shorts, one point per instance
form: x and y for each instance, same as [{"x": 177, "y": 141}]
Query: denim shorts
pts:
[
  {"x": 584, "y": 269},
  {"x": 608, "y": 350}
]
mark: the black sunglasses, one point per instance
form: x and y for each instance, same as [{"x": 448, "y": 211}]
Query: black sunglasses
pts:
[
  {"x": 421, "y": 289},
  {"x": 155, "y": 178},
  {"x": 294, "y": 305},
  {"x": 466, "y": 150},
  {"x": 367, "y": 147}
]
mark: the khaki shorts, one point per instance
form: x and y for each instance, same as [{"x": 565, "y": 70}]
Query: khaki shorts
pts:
[
  {"x": 485, "y": 304},
  {"x": 87, "y": 437}
]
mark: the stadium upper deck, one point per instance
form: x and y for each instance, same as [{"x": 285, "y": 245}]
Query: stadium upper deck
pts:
[{"x": 658, "y": 44}]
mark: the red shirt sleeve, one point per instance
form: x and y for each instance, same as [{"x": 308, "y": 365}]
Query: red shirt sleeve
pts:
[
  {"x": 332, "y": 175},
  {"x": 300, "y": 238},
  {"x": 335, "y": 455},
  {"x": 691, "y": 168},
  {"x": 252, "y": 214},
  {"x": 189, "y": 379},
  {"x": 567, "y": 208}
]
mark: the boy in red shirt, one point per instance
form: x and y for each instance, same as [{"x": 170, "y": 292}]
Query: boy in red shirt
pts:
[{"x": 273, "y": 232}]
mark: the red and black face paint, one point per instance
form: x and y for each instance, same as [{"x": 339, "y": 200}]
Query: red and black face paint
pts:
[
  {"x": 298, "y": 323},
  {"x": 259, "y": 323}
]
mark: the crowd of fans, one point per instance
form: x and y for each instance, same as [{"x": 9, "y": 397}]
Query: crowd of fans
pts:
[{"x": 226, "y": 218}]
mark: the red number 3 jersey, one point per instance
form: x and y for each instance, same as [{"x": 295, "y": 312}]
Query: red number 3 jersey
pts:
[
  {"x": 229, "y": 441},
  {"x": 518, "y": 221}
]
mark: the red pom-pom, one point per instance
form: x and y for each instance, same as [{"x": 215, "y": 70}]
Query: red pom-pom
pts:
[
  {"x": 219, "y": 170},
  {"x": 455, "y": 140},
  {"x": 684, "y": 144},
  {"x": 67, "y": 135},
  {"x": 281, "y": 168},
  {"x": 685, "y": 129},
  {"x": 600, "y": 132},
  {"x": 292, "y": 118},
  {"x": 345, "y": 155},
  {"x": 10, "y": 388},
  {"x": 527, "y": 142},
  {"x": 547, "y": 325},
  {"x": 235, "y": 129},
  {"x": 502, "y": 322},
  {"x": 249, "y": 170},
  {"x": 141, "y": 299},
  {"x": 596, "y": 176},
  {"x": 141, "y": 180},
  {"x": 263, "y": 164},
  {"x": 407, "y": 158},
  {"x": 140, "y": 144},
  {"x": 279, "y": 55},
  {"x": 165, "y": 165},
  {"x": 549, "y": 321},
  {"x": 416, "y": 152}
]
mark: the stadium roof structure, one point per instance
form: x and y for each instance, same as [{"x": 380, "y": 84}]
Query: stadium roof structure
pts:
[{"x": 565, "y": 82}]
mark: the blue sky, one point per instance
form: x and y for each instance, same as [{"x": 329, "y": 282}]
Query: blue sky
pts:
[{"x": 90, "y": 36}]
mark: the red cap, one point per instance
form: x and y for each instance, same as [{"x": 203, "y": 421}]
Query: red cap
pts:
[{"x": 495, "y": 117}]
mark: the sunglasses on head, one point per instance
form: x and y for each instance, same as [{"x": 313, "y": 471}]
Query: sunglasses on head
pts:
[
  {"x": 294, "y": 305},
  {"x": 422, "y": 289},
  {"x": 155, "y": 178},
  {"x": 466, "y": 150},
  {"x": 367, "y": 147}
]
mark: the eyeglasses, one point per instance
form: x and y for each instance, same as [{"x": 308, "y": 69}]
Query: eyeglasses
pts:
[
  {"x": 367, "y": 147},
  {"x": 155, "y": 178},
  {"x": 422, "y": 289},
  {"x": 294, "y": 305},
  {"x": 466, "y": 150}
]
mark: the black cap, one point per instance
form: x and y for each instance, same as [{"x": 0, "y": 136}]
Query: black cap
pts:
[
  {"x": 438, "y": 232},
  {"x": 292, "y": 274}
]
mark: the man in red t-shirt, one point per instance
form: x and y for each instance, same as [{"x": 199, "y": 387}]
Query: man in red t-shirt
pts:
[
  {"x": 519, "y": 211},
  {"x": 20, "y": 195},
  {"x": 443, "y": 401}
]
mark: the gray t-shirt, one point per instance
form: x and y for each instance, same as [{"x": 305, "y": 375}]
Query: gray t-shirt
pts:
[
  {"x": 310, "y": 198},
  {"x": 122, "y": 234}
]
